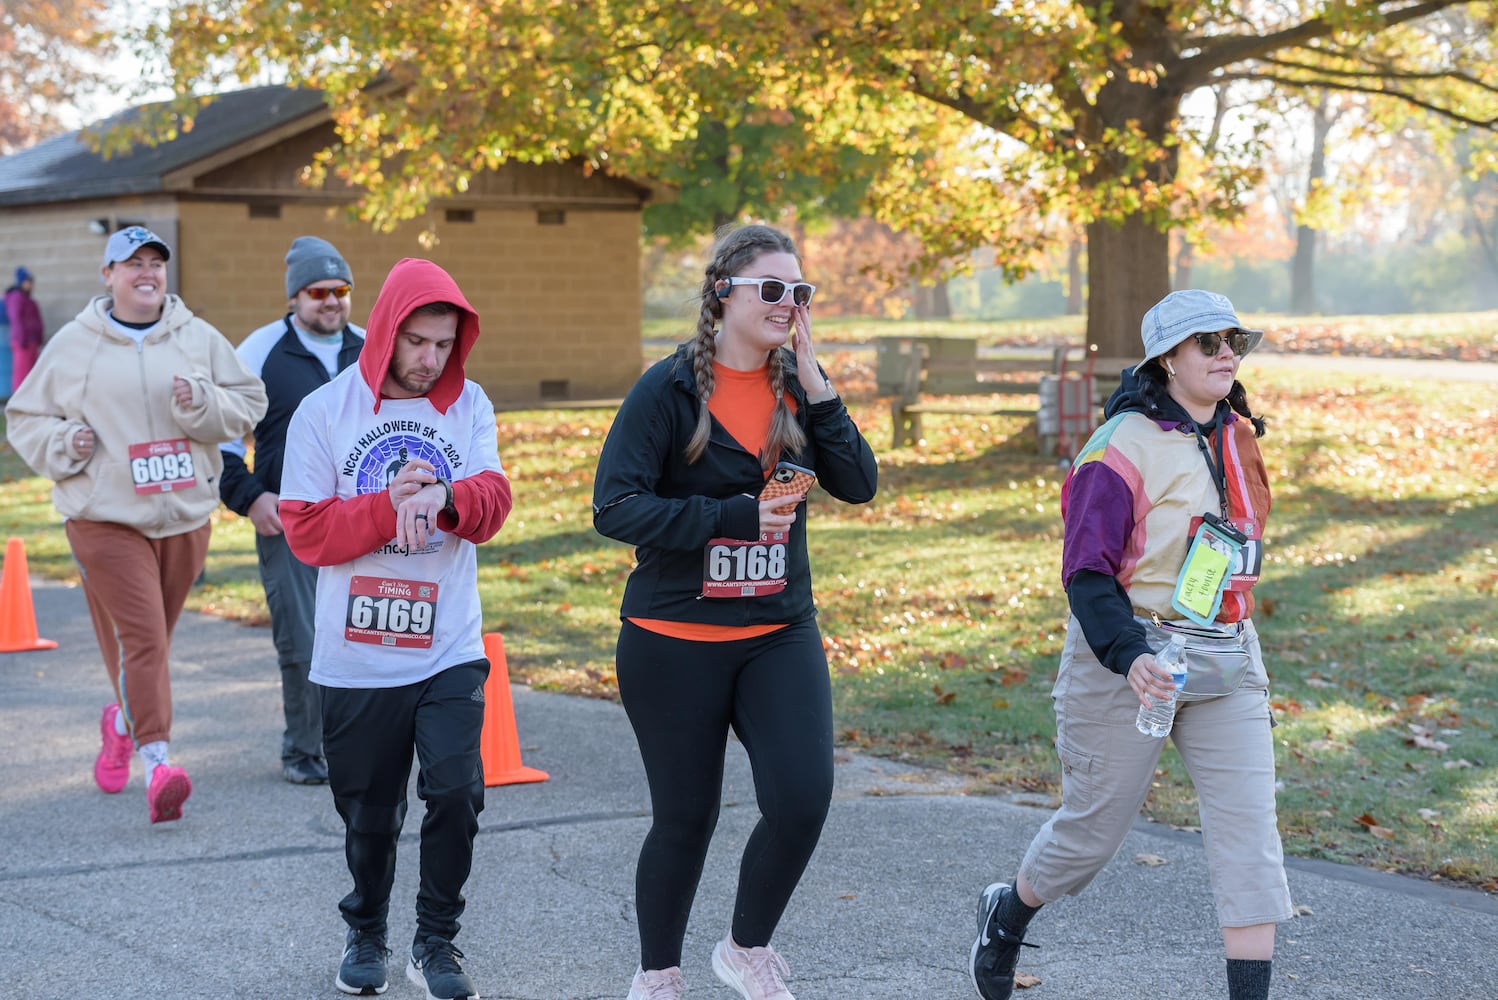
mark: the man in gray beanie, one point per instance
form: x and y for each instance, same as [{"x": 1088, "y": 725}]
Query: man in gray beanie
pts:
[{"x": 293, "y": 355}]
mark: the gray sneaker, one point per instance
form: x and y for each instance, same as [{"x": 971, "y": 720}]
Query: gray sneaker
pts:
[
  {"x": 363, "y": 970},
  {"x": 996, "y": 951},
  {"x": 434, "y": 966}
]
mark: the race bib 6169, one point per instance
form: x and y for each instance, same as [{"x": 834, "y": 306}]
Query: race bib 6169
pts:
[{"x": 387, "y": 612}]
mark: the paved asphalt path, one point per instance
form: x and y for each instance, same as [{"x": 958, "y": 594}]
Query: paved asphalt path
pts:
[{"x": 238, "y": 899}]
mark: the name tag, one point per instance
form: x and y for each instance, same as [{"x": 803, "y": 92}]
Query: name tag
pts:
[{"x": 1199, "y": 586}]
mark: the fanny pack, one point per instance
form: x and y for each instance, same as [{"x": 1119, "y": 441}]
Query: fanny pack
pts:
[{"x": 1216, "y": 659}]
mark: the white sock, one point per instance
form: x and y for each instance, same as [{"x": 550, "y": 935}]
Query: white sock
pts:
[
  {"x": 153, "y": 755},
  {"x": 119, "y": 723}
]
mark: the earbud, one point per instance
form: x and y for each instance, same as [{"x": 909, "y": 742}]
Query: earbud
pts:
[{"x": 1170, "y": 368}]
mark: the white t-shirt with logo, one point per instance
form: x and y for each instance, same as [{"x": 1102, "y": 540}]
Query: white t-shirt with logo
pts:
[{"x": 392, "y": 617}]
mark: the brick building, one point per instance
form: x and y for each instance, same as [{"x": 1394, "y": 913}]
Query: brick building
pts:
[{"x": 548, "y": 255}]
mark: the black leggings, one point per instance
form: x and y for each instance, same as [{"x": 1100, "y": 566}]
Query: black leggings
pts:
[{"x": 682, "y": 697}]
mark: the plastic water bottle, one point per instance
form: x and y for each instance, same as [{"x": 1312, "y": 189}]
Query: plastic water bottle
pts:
[{"x": 1157, "y": 719}]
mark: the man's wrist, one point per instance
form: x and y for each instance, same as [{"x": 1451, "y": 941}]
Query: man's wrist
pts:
[{"x": 448, "y": 506}]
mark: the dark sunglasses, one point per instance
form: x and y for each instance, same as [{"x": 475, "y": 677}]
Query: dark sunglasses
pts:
[
  {"x": 1211, "y": 343},
  {"x": 772, "y": 290},
  {"x": 337, "y": 291}
]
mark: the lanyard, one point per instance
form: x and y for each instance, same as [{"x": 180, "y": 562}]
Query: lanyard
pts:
[{"x": 1218, "y": 469}]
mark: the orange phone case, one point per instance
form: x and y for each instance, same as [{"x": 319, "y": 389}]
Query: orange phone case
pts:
[{"x": 788, "y": 480}]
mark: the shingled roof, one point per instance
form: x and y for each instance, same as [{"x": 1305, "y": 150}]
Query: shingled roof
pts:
[{"x": 63, "y": 168}]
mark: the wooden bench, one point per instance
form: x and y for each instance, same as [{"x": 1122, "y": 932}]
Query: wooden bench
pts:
[{"x": 909, "y": 368}]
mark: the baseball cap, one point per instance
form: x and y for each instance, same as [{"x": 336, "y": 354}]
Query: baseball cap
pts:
[
  {"x": 1191, "y": 310},
  {"x": 130, "y": 239}
]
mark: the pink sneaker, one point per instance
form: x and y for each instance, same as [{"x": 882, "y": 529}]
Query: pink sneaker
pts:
[
  {"x": 112, "y": 766},
  {"x": 663, "y": 984},
  {"x": 169, "y": 789},
  {"x": 757, "y": 973}
]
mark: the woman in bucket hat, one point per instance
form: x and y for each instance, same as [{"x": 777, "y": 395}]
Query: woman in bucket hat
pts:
[{"x": 1176, "y": 463}]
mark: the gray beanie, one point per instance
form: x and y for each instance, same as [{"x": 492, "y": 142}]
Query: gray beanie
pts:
[{"x": 311, "y": 259}]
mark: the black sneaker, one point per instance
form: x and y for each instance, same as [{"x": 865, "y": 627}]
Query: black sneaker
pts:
[
  {"x": 434, "y": 966},
  {"x": 363, "y": 970},
  {"x": 996, "y": 951}
]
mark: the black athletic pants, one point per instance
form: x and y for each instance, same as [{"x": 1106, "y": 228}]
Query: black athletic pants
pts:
[
  {"x": 369, "y": 735},
  {"x": 682, "y": 697}
]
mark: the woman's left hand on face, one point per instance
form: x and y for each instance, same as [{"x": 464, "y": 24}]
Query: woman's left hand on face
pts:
[{"x": 806, "y": 358}]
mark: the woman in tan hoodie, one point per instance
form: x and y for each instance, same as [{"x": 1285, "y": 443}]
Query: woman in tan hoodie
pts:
[{"x": 124, "y": 412}]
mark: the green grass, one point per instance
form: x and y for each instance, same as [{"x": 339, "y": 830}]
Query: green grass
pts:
[{"x": 943, "y": 614}]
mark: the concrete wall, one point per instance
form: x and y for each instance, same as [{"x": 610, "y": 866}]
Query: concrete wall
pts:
[{"x": 558, "y": 303}]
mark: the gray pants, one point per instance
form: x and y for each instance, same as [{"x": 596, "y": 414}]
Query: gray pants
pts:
[
  {"x": 290, "y": 594},
  {"x": 1107, "y": 766}
]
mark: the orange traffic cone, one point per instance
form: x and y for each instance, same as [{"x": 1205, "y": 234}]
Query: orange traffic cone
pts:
[
  {"x": 499, "y": 744},
  {"x": 17, "y": 616}
]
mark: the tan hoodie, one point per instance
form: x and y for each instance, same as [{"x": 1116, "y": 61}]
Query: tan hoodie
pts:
[{"x": 90, "y": 374}]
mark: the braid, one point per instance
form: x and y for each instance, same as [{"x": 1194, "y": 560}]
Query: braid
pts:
[
  {"x": 1238, "y": 400},
  {"x": 785, "y": 433},
  {"x": 1152, "y": 386},
  {"x": 704, "y": 347}
]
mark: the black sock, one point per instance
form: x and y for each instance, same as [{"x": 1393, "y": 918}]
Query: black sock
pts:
[
  {"x": 1014, "y": 913},
  {"x": 1248, "y": 978}
]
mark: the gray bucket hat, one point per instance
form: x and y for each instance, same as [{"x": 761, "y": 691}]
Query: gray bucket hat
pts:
[{"x": 1191, "y": 310}]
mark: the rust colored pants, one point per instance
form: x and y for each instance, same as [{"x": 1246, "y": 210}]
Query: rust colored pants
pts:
[{"x": 136, "y": 587}]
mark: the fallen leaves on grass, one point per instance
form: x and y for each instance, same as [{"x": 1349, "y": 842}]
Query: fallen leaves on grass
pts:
[
  {"x": 1421, "y": 737},
  {"x": 1367, "y": 822}
]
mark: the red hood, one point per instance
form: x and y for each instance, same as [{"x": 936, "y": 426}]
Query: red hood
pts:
[{"x": 411, "y": 283}]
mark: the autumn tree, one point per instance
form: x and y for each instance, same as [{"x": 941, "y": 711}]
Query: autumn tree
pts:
[
  {"x": 1001, "y": 125},
  {"x": 50, "y": 52}
]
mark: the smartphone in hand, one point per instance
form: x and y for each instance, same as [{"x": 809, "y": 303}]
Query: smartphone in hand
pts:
[{"x": 787, "y": 480}]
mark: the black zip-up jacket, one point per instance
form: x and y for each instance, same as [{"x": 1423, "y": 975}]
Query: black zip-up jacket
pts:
[
  {"x": 647, "y": 495},
  {"x": 290, "y": 372}
]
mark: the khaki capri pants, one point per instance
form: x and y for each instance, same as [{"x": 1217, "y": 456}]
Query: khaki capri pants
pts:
[{"x": 1107, "y": 766}]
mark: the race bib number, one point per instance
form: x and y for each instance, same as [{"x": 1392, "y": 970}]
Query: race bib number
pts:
[
  {"x": 385, "y": 612},
  {"x": 162, "y": 466},
  {"x": 733, "y": 567}
]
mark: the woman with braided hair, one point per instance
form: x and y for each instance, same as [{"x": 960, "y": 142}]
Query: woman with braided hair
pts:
[{"x": 718, "y": 622}]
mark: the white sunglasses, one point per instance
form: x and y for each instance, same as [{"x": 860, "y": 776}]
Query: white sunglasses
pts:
[{"x": 772, "y": 290}]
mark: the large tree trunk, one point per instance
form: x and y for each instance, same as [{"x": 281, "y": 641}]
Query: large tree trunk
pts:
[
  {"x": 1303, "y": 265},
  {"x": 1128, "y": 262},
  {"x": 1128, "y": 270}
]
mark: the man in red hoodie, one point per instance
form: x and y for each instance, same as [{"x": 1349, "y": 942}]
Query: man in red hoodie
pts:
[{"x": 398, "y": 647}]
